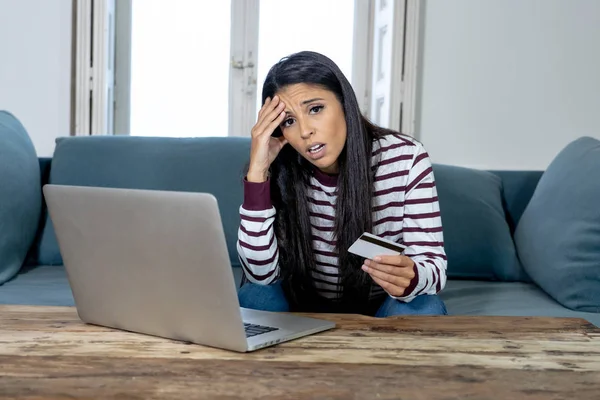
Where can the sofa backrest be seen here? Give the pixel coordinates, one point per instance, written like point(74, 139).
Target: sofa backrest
point(479, 208)
point(213, 165)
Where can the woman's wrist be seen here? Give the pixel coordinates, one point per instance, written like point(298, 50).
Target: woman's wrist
point(256, 176)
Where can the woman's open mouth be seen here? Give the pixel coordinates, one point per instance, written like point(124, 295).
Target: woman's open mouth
point(316, 151)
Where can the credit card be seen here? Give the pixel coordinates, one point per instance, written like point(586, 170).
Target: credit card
point(369, 246)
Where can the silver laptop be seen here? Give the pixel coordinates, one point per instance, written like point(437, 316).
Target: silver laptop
point(156, 262)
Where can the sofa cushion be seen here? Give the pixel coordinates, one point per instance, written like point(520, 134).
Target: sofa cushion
point(213, 165)
point(48, 285)
point(20, 195)
point(505, 299)
point(40, 286)
point(558, 236)
point(477, 237)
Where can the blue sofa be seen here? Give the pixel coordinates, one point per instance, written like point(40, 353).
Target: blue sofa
point(481, 211)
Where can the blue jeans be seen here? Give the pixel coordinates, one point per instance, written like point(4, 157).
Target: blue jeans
point(272, 298)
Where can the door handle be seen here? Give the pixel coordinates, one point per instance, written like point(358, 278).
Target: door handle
point(240, 64)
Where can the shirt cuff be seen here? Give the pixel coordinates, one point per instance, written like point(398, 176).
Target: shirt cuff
point(257, 196)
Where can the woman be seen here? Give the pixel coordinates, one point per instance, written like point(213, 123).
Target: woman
point(320, 175)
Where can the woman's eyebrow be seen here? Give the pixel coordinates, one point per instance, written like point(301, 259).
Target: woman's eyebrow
point(304, 103)
point(311, 100)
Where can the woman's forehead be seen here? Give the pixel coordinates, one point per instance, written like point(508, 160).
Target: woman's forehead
point(300, 92)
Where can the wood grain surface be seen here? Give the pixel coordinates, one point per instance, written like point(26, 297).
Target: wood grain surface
point(48, 353)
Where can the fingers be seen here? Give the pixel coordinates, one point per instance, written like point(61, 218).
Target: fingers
point(396, 280)
point(270, 103)
point(389, 287)
point(273, 114)
point(262, 109)
point(395, 270)
point(399, 260)
point(275, 123)
point(268, 114)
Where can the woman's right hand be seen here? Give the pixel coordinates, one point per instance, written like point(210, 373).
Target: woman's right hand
point(264, 147)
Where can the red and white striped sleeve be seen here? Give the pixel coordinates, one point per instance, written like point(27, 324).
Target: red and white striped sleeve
point(422, 229)
point(257, 244)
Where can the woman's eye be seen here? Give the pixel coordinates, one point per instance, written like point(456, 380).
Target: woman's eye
point(288, 122)
point(316, 109)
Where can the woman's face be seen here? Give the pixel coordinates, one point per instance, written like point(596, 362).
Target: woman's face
point(315, 125)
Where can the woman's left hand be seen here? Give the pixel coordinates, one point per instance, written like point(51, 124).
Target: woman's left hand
point(392, 273)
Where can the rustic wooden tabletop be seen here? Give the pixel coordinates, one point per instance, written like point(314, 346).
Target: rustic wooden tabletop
point(48, 353)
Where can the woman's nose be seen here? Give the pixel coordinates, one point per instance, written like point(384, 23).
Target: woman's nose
point(306, 131)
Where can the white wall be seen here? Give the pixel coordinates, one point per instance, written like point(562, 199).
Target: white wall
point(35, 67)
point(508, 83)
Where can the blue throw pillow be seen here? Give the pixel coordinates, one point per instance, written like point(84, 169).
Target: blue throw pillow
point(558, 236)
point(477, 237)
point(20, 195)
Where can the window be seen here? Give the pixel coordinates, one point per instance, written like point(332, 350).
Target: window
point(192, 68)
point(180, 73)
point(180, 68)
point(289, 26)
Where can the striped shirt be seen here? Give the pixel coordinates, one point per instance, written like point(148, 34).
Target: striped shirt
point(405, 209)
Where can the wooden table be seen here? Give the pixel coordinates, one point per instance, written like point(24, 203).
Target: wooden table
point(47, 353)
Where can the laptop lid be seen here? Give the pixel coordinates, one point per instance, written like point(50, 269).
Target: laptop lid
point(153, 262)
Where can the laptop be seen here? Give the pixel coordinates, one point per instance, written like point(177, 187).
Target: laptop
point(156, 263)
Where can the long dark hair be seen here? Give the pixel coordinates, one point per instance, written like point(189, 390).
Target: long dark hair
point(290, 174)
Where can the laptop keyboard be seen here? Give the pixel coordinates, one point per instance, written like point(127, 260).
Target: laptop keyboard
point(254, 330)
